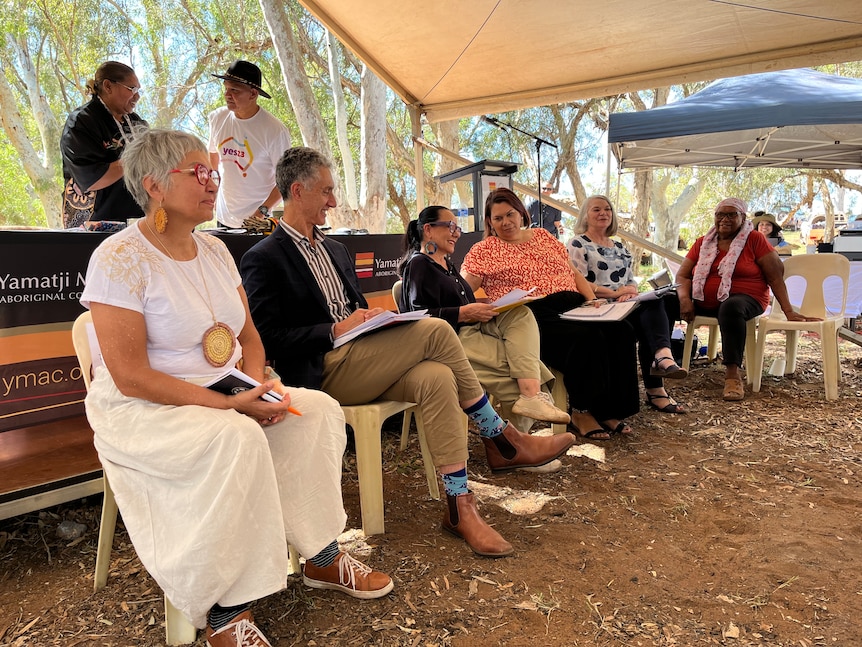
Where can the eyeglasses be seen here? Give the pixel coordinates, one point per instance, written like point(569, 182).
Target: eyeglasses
point(728, 215)
point(453, 228)
point(202, 173)
point(137, 91)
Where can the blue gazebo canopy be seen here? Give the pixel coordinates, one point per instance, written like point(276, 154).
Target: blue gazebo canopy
point(792, 118)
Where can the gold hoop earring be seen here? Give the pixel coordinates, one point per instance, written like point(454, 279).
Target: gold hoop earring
point(161, 219)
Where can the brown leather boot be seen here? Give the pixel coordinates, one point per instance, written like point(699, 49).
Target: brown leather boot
point(462, 519)
point(513, 449)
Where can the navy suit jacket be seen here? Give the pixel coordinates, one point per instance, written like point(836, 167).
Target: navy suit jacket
point(288, 307)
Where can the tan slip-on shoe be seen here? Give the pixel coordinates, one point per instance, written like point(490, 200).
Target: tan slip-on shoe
point(513, 449)
point(733, 390)
point(463, 520)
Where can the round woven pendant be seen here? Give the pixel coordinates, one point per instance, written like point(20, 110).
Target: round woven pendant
point(218, 344)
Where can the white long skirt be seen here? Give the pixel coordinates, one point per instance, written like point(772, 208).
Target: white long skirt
point(210, 498)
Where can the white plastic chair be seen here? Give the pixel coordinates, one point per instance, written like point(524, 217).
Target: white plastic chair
point(366, 420)
point(712, 345)
point(396, 294)
point(561, 400)
point(815, 269)
point(178, 630)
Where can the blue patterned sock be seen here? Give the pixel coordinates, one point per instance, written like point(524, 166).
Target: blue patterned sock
point(456, 482)
point(483, 414)
point(325, 557)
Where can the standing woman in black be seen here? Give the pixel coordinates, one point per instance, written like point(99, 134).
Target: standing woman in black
point(92, 142)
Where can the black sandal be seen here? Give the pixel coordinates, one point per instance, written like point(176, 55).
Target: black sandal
point(672, 372)
point(622, 427)
point(592, 434)
point(670, 407)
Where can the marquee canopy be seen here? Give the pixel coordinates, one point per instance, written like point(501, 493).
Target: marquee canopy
point(788, 119)
point(450, 58)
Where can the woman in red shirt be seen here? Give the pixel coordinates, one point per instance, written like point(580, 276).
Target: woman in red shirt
point(727, 274)
point(597, 359)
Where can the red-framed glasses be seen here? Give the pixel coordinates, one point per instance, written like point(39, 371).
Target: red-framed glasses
point(202, 173)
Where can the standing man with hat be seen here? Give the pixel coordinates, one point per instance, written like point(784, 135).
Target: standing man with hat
point(245, 143)
point(550, 218)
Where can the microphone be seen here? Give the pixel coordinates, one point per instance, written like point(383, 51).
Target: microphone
point(493, 122)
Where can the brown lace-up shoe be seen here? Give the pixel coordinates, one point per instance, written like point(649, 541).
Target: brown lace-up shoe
point(462, 519)
point(513, 449)
point(349, 576)
point(241, 630)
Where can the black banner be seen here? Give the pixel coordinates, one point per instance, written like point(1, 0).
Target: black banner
point(42, 275)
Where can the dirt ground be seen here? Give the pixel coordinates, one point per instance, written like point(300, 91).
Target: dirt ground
point(736, 524)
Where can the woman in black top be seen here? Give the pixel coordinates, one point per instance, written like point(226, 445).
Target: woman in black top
point(503, 347)
point(93, 139)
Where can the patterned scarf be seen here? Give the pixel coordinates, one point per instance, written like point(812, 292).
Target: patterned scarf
point(708, 252)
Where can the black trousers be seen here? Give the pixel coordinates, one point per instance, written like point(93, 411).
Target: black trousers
point(652, 322)
point(732, 313)
point(597, 359)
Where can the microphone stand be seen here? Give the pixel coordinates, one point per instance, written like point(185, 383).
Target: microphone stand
point(539, 141)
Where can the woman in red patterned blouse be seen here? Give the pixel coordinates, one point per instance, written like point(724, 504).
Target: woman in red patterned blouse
point(598, 359)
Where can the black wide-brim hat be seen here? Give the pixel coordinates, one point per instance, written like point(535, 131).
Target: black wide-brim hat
point(245, 72)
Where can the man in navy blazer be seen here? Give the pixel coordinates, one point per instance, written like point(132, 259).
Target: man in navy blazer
point(303, 293)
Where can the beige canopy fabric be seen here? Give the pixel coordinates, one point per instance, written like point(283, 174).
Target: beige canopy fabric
point(451, 58)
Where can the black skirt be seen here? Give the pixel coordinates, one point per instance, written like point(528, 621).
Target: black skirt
point(598, 359)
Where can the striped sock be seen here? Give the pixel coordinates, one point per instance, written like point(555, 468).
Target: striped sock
point(220, 616)
point(325, 557)
point(483, 414)
point(455, 483)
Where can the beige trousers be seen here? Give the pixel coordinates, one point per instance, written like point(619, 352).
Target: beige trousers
point(421, 362)
point(503, 350)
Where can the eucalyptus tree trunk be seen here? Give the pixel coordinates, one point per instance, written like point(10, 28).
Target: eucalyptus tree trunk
point(447, 135)
point(350, 193)
point(668, 217)
point(373, 152)
point(829, 208)
point(641, 203)
point(39, 167)
point(295, 81)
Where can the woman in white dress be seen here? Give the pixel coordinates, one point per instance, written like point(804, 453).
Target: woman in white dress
point(211, 487)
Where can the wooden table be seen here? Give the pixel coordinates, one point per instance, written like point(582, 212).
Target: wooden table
point(47, 464)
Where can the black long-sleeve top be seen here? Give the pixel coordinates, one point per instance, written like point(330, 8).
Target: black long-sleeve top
point(90, 142)
point(426, 284)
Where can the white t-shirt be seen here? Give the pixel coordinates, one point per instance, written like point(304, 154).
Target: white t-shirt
point(248, 150)
point(128, 272)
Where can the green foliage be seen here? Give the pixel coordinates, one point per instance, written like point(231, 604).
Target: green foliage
point(175, 46)
point(19, 205)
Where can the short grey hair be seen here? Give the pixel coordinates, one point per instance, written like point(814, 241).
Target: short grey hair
point(153, 153)
point(581, 223)
point(299, 164)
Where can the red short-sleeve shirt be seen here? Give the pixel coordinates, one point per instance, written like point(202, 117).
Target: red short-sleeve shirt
point(747, 277)
point(541, 262)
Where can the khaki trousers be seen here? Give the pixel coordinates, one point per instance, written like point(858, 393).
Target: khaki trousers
point(503, 350)
point(421, 362)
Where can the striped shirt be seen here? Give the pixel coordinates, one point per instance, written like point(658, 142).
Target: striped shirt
point(323, 269)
